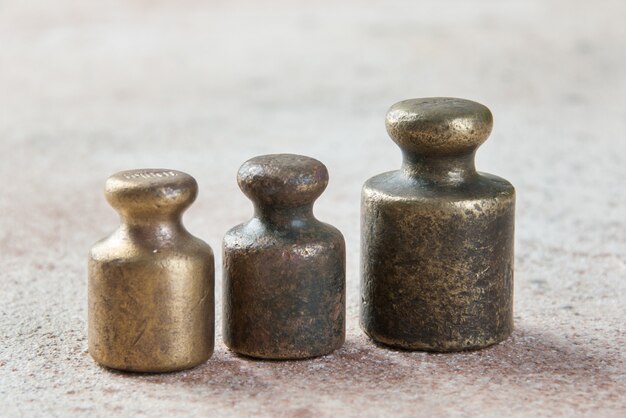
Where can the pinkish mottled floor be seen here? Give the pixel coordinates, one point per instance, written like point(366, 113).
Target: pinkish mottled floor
point(89, 88)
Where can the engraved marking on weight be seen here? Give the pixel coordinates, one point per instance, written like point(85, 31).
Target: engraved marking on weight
point(150, 174)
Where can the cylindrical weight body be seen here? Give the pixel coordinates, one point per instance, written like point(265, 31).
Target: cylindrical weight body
point(151, 313)
point(437, 268)
point(284, 294)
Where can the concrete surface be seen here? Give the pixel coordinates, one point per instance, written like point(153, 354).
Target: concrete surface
point(89, 88)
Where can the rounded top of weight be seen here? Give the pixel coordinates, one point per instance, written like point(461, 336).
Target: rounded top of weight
point(282, 180)
point(439, 125)
point(151, 191)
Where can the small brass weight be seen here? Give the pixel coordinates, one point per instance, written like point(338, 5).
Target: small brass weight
point(151, 302)
point(436, 235)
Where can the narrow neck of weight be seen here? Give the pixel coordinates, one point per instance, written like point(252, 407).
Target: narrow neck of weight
point(284, 217)
point(445, 169)
point(152, 229)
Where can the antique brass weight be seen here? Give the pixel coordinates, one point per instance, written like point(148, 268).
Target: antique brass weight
point(437, 236)
point(151, 303)
point(284, 271)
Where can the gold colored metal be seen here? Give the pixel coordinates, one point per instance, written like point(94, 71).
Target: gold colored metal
point(151, 283)
point(437, 236)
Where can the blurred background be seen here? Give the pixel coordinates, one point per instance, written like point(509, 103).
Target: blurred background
point(91, 88)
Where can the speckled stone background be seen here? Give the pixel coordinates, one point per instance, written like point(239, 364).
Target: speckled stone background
point(89, 88)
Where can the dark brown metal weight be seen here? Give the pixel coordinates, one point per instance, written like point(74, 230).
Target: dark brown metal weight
point(437, 236)
point(284, 271)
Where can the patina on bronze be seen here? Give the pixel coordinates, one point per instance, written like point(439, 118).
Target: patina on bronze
point(151, 302)
point(437, 236)
point(284, 271)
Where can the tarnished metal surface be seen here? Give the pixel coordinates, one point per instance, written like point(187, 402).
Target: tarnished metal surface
point(437, 236)
point(151, 283)
point(284, 271)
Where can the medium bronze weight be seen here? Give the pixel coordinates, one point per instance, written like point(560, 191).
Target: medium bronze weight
point(284, 270)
